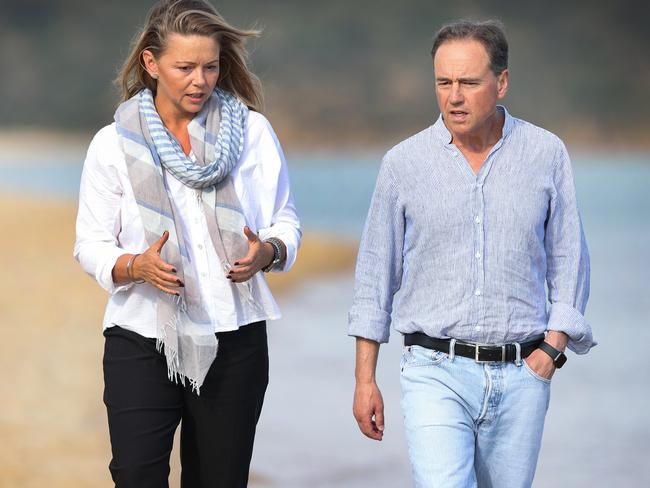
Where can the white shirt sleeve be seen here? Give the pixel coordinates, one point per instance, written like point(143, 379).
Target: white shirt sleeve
point(98, 221)
point(276, 192)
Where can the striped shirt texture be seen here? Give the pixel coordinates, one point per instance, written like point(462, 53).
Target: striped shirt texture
point(493, 258)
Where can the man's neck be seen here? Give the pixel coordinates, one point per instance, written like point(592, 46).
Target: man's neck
point(483, 140)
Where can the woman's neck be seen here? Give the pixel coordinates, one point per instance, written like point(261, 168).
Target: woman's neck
point(176, 122)
point(171, 116)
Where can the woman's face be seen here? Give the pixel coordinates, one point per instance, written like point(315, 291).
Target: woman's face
point(187, 72)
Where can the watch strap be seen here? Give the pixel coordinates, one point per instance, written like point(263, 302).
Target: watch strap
point(559, 358)
point(277, 253)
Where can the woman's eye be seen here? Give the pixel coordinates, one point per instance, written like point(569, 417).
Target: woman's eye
point(212, 67)
point(185, 68)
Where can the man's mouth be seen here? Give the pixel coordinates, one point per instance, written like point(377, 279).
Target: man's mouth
point(457, 115)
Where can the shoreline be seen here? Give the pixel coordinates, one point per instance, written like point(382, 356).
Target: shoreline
point(14, 142)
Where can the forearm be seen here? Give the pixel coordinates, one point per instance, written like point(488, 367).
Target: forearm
point(366, 360)
point(557, 339)
point(269, 251)
point(289, 234)
point(120, 273)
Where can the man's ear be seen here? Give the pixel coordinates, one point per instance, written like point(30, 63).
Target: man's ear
point(502, 84)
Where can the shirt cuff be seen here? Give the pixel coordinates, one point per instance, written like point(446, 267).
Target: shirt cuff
point(104, 273)
point(291, 239)
point(565, 318)
point(375, 328)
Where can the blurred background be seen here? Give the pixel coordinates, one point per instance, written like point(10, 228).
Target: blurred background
point(344, 82)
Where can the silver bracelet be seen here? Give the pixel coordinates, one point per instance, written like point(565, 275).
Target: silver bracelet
point(129, 269)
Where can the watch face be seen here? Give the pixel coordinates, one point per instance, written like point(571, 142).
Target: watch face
point(561, 359)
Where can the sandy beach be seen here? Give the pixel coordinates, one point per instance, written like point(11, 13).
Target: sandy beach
point(53, 423)
point(52, 419)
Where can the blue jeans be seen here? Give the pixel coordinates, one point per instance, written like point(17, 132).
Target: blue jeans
point(471, 424)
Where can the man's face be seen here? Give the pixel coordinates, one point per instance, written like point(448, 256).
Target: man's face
point(466, 88)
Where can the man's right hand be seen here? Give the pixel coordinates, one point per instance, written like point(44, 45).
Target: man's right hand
point(368, 409)
point(150, 267)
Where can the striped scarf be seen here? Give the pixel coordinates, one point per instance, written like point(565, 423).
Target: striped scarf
point(184, 329)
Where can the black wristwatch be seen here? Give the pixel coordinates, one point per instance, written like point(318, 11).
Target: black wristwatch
point(559, 358)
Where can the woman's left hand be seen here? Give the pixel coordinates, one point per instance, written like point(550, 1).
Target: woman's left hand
point(260, 255)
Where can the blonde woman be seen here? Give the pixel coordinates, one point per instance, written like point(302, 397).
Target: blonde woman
point(184, 203)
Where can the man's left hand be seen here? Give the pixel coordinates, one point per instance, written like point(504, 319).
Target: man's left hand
point(541, 364)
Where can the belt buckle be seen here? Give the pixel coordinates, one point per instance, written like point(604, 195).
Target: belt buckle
point(477, 353)
point(477, 348)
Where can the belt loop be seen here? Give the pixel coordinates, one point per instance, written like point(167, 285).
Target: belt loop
point(518, 354)
point(452, 349)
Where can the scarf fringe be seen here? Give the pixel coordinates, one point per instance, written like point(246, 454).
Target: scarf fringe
point(171, 355)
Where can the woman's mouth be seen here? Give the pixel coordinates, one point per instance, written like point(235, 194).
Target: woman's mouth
point(196, 97)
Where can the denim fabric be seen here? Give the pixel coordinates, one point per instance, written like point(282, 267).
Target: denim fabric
point(471, 424)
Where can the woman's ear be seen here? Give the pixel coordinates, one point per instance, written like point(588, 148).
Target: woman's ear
point(150, 64)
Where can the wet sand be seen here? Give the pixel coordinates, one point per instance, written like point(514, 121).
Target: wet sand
point(52, 420)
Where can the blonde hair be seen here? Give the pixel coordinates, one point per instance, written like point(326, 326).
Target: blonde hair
point(192, 17)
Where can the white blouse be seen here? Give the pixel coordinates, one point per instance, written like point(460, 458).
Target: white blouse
point(109, 225)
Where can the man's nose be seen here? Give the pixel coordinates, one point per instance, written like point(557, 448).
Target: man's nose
point(456, 96)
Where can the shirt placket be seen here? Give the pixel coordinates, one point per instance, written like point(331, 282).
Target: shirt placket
point(202, 262)
point(478, 276)
point(477, 199)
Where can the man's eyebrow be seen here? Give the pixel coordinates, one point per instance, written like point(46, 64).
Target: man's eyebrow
point(461, 80)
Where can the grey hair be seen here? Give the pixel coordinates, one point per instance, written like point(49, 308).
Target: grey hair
point(489, 33)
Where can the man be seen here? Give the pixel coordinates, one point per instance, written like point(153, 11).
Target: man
point(470, 219)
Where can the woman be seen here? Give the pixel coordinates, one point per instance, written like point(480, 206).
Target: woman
point(184, 200)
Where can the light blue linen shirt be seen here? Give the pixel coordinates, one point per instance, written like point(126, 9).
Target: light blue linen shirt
point(493, 258)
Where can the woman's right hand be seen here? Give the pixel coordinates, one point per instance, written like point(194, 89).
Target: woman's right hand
point(149, 267)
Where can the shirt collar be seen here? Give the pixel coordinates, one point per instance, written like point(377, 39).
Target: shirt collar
point(444, 136)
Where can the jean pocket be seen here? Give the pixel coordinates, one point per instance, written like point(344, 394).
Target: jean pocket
point(418, 356)
point(535, 375)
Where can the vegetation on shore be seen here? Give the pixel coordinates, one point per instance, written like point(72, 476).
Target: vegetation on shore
point(347, 73)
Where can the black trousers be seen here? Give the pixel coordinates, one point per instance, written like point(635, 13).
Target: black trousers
point(217, 427)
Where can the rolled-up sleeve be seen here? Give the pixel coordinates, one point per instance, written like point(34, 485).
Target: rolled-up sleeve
point(98, 219)
point(567, 261)
point(276, 192)
point(379, 263)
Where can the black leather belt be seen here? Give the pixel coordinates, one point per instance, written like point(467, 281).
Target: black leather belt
point(479, 352)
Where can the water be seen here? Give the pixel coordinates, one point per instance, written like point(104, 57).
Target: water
point(332, 191)
point(597, 426)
